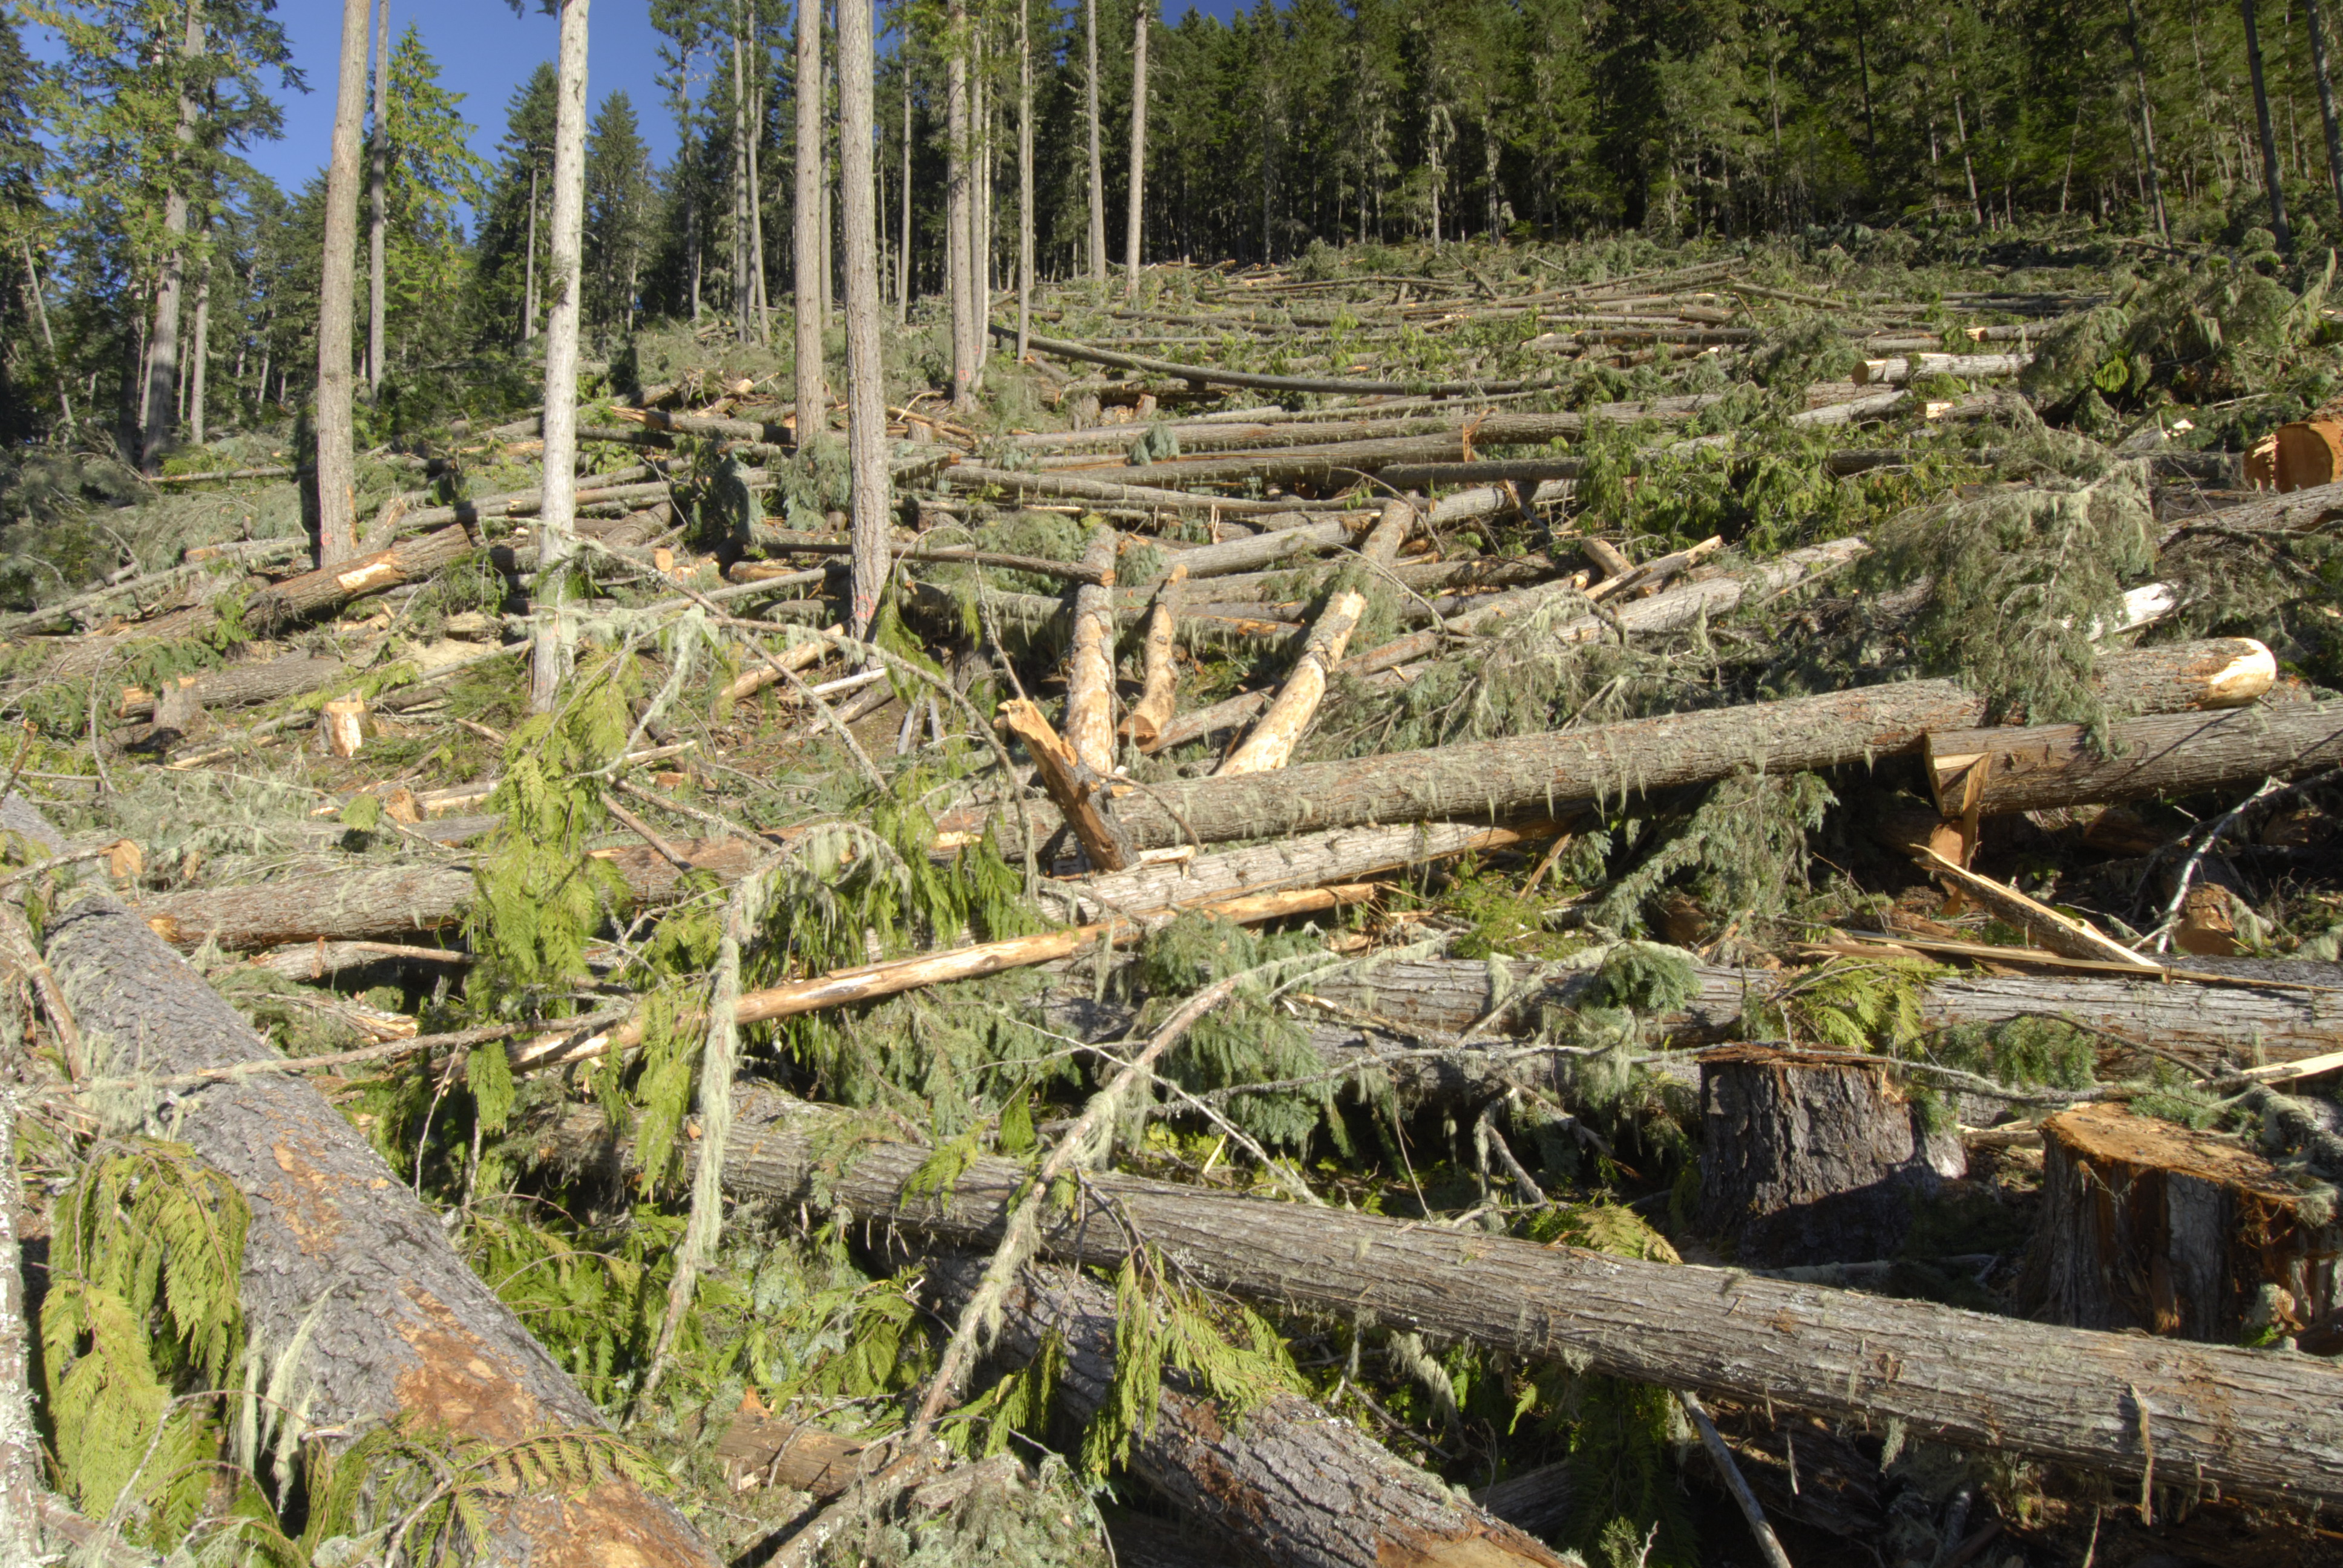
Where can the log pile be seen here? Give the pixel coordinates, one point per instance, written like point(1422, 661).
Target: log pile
point(1249, 981)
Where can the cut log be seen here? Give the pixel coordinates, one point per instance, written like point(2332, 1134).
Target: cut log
point(2150, 1226)
point(1089, 675)
point(976, 477)
point(1079, 790)
point(1806, 1161)
point(2246, 1420)
point(2301, 456)
point(1547, 774)
point(241, 684)
point(1160, 695)
point(1994, 771)
point(1213, 376)
point(350, 1288)
point(328, 588)
point(1272, 544)
point(1973, 367)
point(762, 674)
point(1287, 1484)
point(1273, 740)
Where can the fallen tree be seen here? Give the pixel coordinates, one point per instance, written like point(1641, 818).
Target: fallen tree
point(1994, 771)
point(1558, 772)
point(350, 1289)
point(2248, 1420)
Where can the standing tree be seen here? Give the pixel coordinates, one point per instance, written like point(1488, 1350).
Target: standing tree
point(811, 244)
point(617, 199)
point(1144, 13)
point(378, 177)
point(959, 208)
point(557, 513)
point(2326, 100)
point(337, 529)
point(1097, 168)
point(866, 394)
point(1024, 174)
point(903, 269)
point(163, 349)
point(2270, 136)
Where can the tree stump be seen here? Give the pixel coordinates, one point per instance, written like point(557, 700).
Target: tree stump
point(1811, 1160)
point(2147, 1224)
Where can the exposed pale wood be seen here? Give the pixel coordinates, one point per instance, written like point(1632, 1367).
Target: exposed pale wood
point(1090, 672)
point(1975, 367)
point(2060, 933)
point(1992, 772)
point(1153, 709)
point(1079, 789)
point(1273, 740)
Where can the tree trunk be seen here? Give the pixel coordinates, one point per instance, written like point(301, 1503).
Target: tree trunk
point(744, 286)
point(958, 208)
point(199, 366)
point(163, 346)
point(756, 269)
point(1804, 1160)
point(1491, 779)
point(1077, 790)
point(246, 683)
point(379, 180)
point(20, 1441)
point(558, 511)
point(2268, 135)
point(1024, 175)
point(1139, 29)
point(2326, 98)
point(2147, 121)
point(341, 1258)
point(2246, 1420)
point(1213, 376)
point(1160, 695)
point(1993, 772)
point(48, 342)
point(528, 266)
point(337, 536)
point(1097, 167)
point(1272, 740)
point(1089, 681)
point(1289, 1484)
point(903, 271)
point(866, 393)
point(2147, 1225)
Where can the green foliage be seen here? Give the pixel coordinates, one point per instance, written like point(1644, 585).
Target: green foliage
point(1740, 854)
point(2021, 578)
point(1246, 1039)
point(2023, 1050)
point(1861, 1005)
point(1214, 1350)
point(143, 1309)
point(2203, 333)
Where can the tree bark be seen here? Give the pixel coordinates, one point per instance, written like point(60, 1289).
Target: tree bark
point(379, 180)
point(163, 344)
point(866, 415)
point(1025, 175)
point(20, 1440)
point(1161, 694)
point(1139, 29)
point(558, 511)
point(1550, 773)
point(246, 683)
point(200, 355)
point(341, 1257)
point(1090, 676)
point(528, 266)
point(2149, 1225)
point(807, 238)
point(2253, 1422)
point(2327, 116)
point(1287, 1484)
point(1215, 376)
point(1995, 771)
point(1097, 168)
point(2147, 124)
point(958, 265)
point(744, 284)
point(338, 536)
point(2268, 135)
point(1805, 1160)
point(903, 271)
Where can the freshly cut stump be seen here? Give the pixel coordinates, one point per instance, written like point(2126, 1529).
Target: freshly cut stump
point(2147, 1224)
point(1810, 1161)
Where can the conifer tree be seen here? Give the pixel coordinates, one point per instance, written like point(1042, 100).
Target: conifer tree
point(336, 456)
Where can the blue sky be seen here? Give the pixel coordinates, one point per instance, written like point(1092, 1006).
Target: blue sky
point(484, 51)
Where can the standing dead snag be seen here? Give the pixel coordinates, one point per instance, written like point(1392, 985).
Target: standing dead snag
point(342, 1261)
point(1285, 1483)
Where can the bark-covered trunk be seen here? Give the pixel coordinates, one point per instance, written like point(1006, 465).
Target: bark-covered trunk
point(558, 510)
point(1097, 189)
point(379, 183)
point(1547, 773)
point(810, 248)
point(338, 536)
point(2270, 181)
point(2147, 1224)
point(903, 268)
point(1286, 1484)
point(1994, 771)
point(163, 344)
point(959, 208)
point(1804, 1160)
point(245, 683)
point(341, 1258)
point(2248, 1420)
point(1143, 14)
point(866, 394)
point(1024, 174)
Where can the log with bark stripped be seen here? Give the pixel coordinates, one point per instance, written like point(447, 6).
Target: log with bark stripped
point(1090, 672)
point(1161, 694)
point(347, 1276)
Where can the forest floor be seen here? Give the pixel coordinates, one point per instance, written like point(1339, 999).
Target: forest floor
point(1676, 775)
